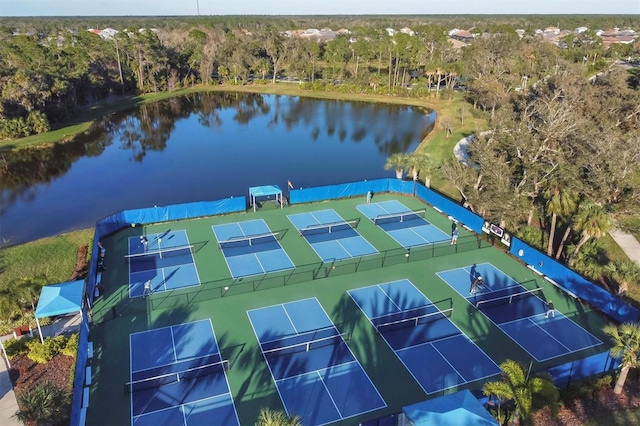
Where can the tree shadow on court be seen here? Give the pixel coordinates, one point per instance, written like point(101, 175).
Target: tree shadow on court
point(393, 381)
point(257, 389)
point(110, 401)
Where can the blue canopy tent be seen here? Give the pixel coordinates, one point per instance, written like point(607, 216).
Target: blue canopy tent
point(58, 299)
point(264, 191)
point(460, 408)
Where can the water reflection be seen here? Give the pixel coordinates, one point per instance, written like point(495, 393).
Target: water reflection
point(203, 146)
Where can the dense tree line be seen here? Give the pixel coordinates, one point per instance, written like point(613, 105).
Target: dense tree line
point(50, 68)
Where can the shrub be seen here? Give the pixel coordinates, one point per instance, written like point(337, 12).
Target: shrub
point(16, 347)
point(585, 389)
point(45, 404)
point(71, 348)
point(42, 353)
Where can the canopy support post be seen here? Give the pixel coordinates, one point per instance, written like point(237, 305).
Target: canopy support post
point(39, 331)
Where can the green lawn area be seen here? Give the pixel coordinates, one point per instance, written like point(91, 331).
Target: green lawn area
point(51, 260)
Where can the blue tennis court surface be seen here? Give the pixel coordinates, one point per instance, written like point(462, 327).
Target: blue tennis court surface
point(167, 262)
point(520, 312)
point(177, 377)
point(250, 248)
point(330, 235)
point(432, 347)
point(317, 375)
point(408, 228)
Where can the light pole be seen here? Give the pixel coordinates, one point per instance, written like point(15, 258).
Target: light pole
point(198, 6)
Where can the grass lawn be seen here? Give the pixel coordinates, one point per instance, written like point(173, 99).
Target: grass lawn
point(53, 259)
point(631, 224)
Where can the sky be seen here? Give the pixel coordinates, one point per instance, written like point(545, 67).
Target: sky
point(312, 7)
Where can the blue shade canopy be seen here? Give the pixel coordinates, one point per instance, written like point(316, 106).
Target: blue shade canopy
point(58, 299)
point(264, 191)
point(460, 408)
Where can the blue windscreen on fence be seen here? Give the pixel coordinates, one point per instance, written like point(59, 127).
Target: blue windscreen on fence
point(81, 363)
point(455, 210)
point(332, 192)
point(600, 298)
point(583, 368)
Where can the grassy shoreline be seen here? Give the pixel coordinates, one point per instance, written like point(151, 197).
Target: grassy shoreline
point(87, 116)
point(51, 259)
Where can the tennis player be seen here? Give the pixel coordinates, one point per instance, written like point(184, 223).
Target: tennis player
point(477, 282)
point(551, 310)
point(147, 288)
point(144, 241)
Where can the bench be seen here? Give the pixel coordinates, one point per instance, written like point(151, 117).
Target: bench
point(87, 376)
point(535, 270)
point(85, 397)
point(23, 330)
point(83, 417)
point(89, 349)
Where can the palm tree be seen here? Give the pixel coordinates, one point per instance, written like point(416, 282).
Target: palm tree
point(592, 220)
point(590, 262)
point(398, 162)
point(532, 235)
point(528, 394)
point(559, 203)
point(418, 162)
point(270, 417)
point(30, 288)
point(43, 405)
point(624, 272)
point(10, 301)
point(421, 163)
point(626, 346)
point(413, 162)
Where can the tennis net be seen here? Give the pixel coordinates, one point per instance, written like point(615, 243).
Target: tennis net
point(152, 255)
point(508, 299)
point(170, 378)
point(399, 217)
point(307, 345)
point(250, 240)
point(395, 322)
point(325, 228)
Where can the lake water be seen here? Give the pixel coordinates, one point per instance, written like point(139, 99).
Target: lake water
point(199, 147)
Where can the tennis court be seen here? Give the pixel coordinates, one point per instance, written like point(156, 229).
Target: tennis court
point(332, 237)
point(251, 248)
point(520, 312)
point(316, 374)
point(167, 262)
point(179, 378)
point(429, 344)
point(408, 227)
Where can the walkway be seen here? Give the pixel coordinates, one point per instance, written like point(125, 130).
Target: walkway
point(8, 402)
point(627, 242)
